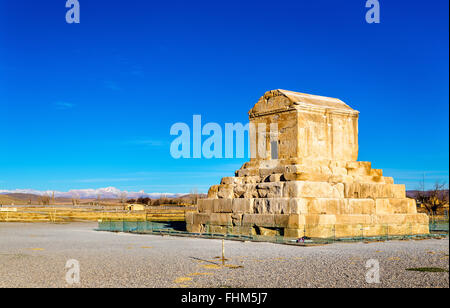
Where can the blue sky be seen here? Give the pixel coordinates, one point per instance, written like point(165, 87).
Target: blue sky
point(90, 105)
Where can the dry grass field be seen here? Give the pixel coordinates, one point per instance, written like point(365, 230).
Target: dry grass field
point(10, 200)
point(69, 213)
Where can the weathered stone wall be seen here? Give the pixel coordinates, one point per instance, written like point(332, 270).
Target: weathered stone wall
point(327, 135)
point(287, 134)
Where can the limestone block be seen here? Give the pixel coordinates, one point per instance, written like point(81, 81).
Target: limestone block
point(305, 176)
point(205, 205)
point(278, 169)
point(264, 173)
point(216, 229)
point(376, 172)
point(195, 228)
point(293, 168)
point(419, 218)
point(227, 180)
point(376, 179)
point(298, 206)
point(325, 206)
point(267, 232)
point(340, 179)
point(242, 205)
point(293, 233)
point(420, 228)
point(320, 231)
point(338, 190)
point(388, 180)
point(359, 230)
point(251, 180)
point(312, 219)
point(403, 206)
point(336, 164)
point(236, 219)
point(358, 167)
point(359, 171)
point(248, 172)
point(277, 205)
point(212, 192)
point(223, 205)
point(275, 190)
point(307, 189)
point(360, 206)
point(275, 177)
point(383, 206)
point(270, 190)
point(398, 219)
point(189, 217)
point(347, 231)
point(271, 206)
point(263, 220)
point(399, 229)
point(291, 176)
point(239, 190)
point(242, 173)
point(364, 190)
point(399, 190)
point(250, 191)
point(220, 219)
point(373, 230)
point(260, 206)
point(368, 179)
point(201, 218)
point(339, 171)
point(244, 230)
point(314, 167)
point(296, 221)
point(281, 220)
point(396, 206)
point(225, 191)
point(353, 219)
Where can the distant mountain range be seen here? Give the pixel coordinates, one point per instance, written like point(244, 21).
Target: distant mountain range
point(413, 193)
point(104, 193)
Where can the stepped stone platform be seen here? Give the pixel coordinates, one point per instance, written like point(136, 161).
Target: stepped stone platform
point(304, 178)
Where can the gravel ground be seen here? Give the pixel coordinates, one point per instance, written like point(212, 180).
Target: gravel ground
point(35, 255)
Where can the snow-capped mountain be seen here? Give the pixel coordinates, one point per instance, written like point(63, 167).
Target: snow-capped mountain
point(107, 192)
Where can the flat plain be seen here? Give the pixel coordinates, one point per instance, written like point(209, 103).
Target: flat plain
point(35, 255)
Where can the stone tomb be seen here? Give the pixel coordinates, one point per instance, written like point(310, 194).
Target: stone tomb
point(307, 181)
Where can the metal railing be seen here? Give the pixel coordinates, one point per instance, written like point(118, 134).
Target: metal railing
point(438, 229)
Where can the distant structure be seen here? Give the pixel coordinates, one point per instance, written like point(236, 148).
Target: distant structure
point(305, 179)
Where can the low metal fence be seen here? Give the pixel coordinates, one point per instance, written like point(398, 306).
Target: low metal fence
point(438, 229)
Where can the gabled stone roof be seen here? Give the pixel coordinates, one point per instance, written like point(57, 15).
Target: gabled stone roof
point(284, 99)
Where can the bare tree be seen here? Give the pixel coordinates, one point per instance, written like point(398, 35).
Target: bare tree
point(162, 199)
point(194, 196)
point(433, 199)
point(123, 197)
point(44, 199)
point(75, 199)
